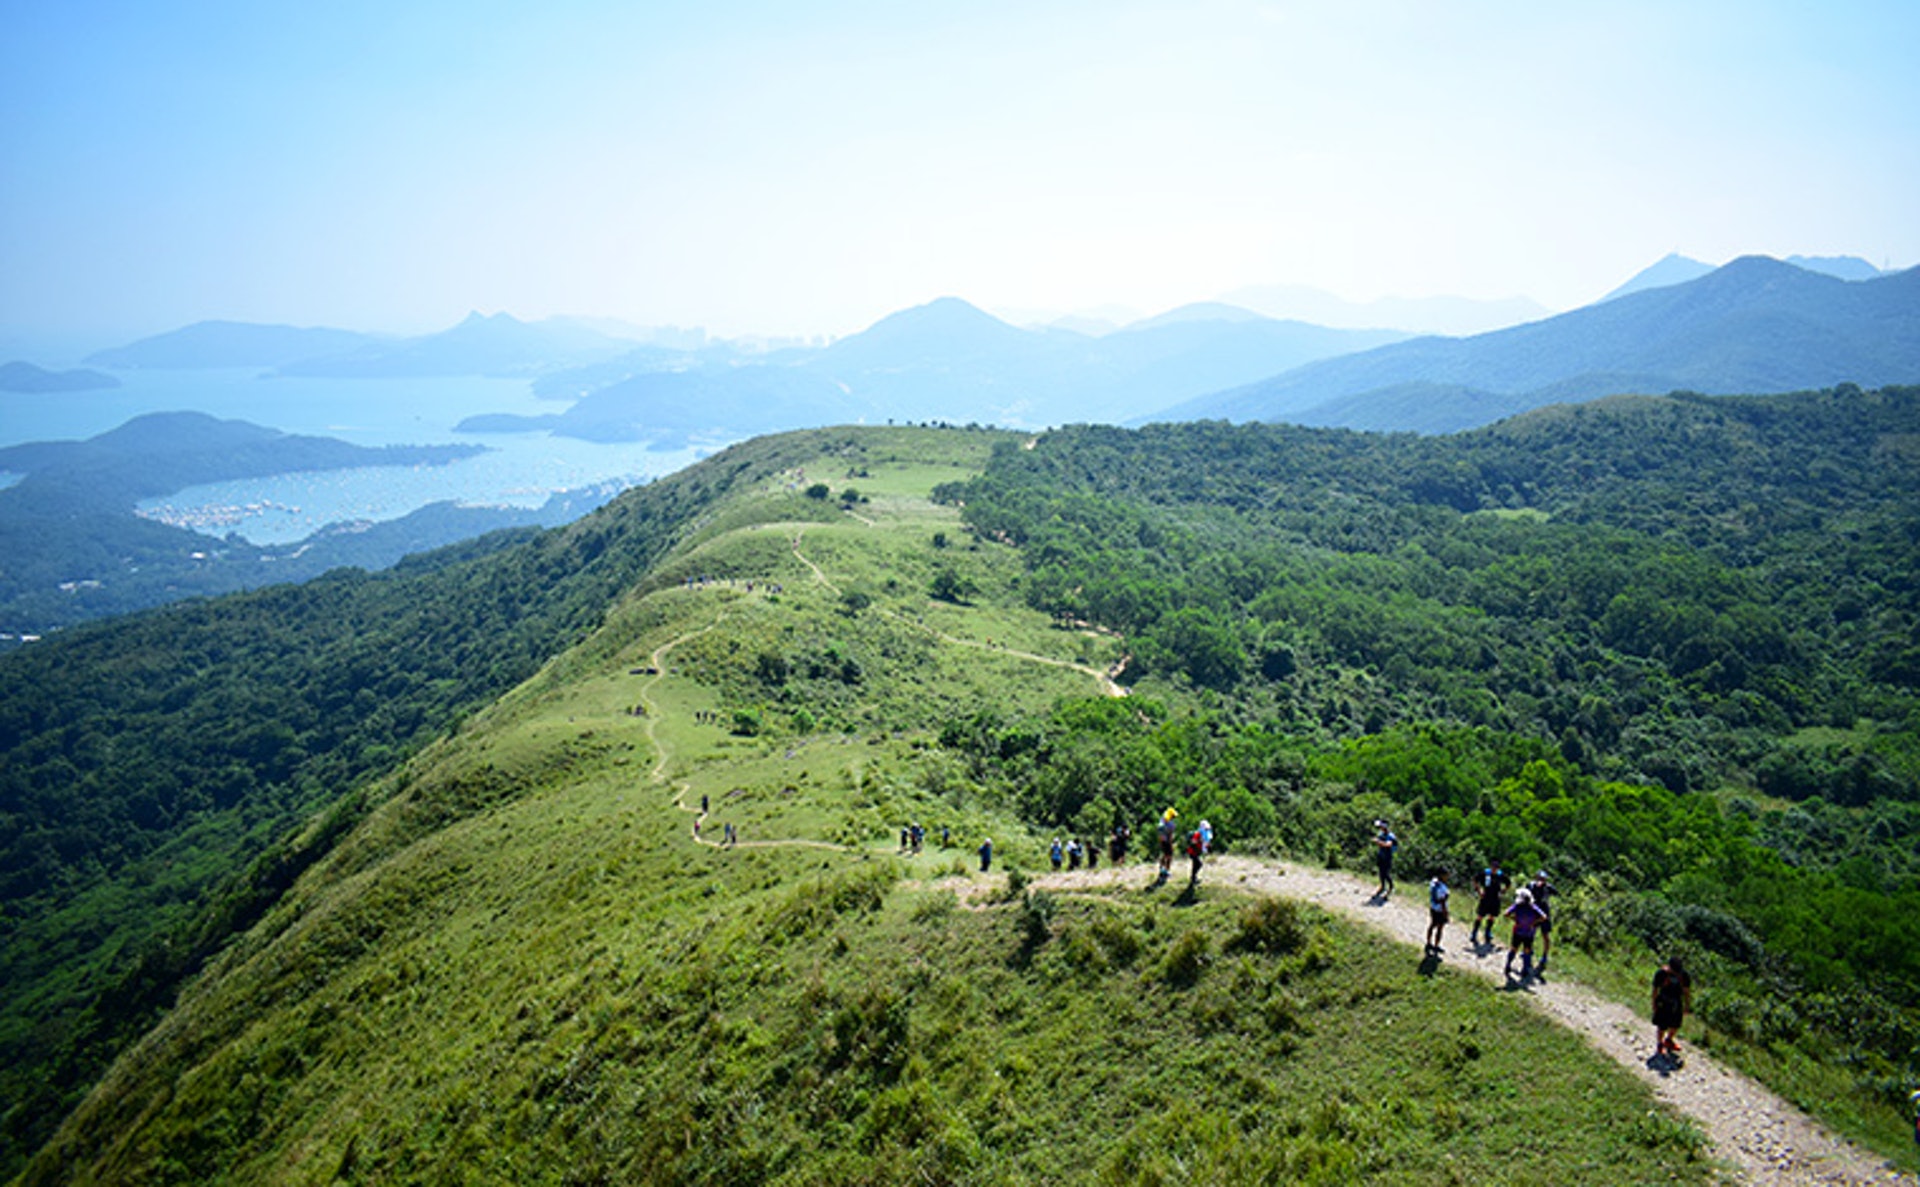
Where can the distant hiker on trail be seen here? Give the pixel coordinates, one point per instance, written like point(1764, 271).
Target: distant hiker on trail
point(1056, 854)
point(1543, 892)
point(946, 837)
point(1073, 853)
point(1093, 855)
point(1672, 999)
point(1526, 920)
point(1117, 843)
point(1491, 883)
point(906, 838)
point(986, 855)
point(732, 836)
point(703, 803)
point(1168, 832)
point(1384, 843)
point(919, 837)
point(1196, 853)
point(1437, 895)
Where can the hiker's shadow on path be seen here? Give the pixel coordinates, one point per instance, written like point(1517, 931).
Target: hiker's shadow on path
point(1376, 899)
point(1430, 964)
point(1663, 1065)
point(1188, 896)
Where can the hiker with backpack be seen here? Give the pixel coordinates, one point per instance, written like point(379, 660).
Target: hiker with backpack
point(1437, 895)
point(1197, 851)
point(1491, 883)
point(1543, 892)
point(1672, 999)
point(1384, 843)
point(1169, 831)
point(986, 855)
point(1526, 921)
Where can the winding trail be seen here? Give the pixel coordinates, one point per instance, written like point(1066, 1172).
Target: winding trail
point(1108, 684)
point(1766, 1140)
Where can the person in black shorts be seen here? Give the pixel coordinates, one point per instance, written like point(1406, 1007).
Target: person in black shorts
point(1672, 997)
point(1491, 883)
point(1543, 892)
point(1437, 895)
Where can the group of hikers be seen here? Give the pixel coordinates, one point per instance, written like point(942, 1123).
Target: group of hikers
point(1072, 852)
point(1531, 913)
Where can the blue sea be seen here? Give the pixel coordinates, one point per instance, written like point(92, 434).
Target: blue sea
point(520, 469)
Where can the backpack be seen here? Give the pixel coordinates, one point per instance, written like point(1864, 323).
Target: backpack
point(1196, 844)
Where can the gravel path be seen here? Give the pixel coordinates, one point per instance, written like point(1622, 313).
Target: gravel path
point(1767, 1141)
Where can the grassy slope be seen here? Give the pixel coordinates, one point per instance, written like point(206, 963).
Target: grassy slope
point(522, 968)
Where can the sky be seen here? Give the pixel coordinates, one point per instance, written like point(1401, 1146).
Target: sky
point(804, 169)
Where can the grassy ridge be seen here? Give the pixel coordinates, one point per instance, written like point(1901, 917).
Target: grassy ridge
point(521, 966)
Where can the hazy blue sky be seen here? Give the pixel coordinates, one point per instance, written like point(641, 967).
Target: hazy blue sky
point(782, 168)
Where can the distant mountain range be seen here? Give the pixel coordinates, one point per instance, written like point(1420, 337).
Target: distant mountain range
point(24, 377)
point(1674, 268)
point(1410, 315)
point(1756, 325)
point(210, 345)
point(946, 360)
point(481, 345)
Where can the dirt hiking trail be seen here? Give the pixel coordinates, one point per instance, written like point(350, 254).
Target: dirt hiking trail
point(1764, 1139)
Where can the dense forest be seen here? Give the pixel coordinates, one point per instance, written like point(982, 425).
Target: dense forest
point(152, 767)
point(1665, 646)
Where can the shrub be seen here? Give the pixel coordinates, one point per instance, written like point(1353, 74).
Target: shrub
point(1187, 959)
point(1270, 925)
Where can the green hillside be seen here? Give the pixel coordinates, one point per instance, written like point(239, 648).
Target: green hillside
point(1661, 645)
point(520, 966)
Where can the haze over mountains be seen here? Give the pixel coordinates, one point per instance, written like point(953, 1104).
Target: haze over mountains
point(1756, 325)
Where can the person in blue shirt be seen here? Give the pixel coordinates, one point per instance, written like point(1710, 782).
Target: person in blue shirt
point(1437, 895)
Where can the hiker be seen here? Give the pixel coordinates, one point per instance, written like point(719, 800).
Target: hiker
point(1526, 920)
point(1117, 843)
point(1056, 853)
point(703, 803)
point(731, 835)
point(986, 855)
point(1384, 843)
point(1543, 892)
point(946, 837)
point(906, 838)
point(919, 838)
point(1672, 999)
point(1093, 855)
point(1438, 892)
point(1491, 883)
point(1073, 853)
point(1196, 851)
point(1168, 830)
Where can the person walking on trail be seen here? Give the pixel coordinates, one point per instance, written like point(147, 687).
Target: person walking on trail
point(1196, 853)
point(1543, 892)
point(1118, 842)
point(1073, 853)
point(986, 855)
point(1672, 1000)
point(1169, 831)
point(1384, 843)
point(1526, 921)
point(1438, 892)
point(1055, 854)
point(703, 803)
point(1092, 849)
point(1491, 884)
